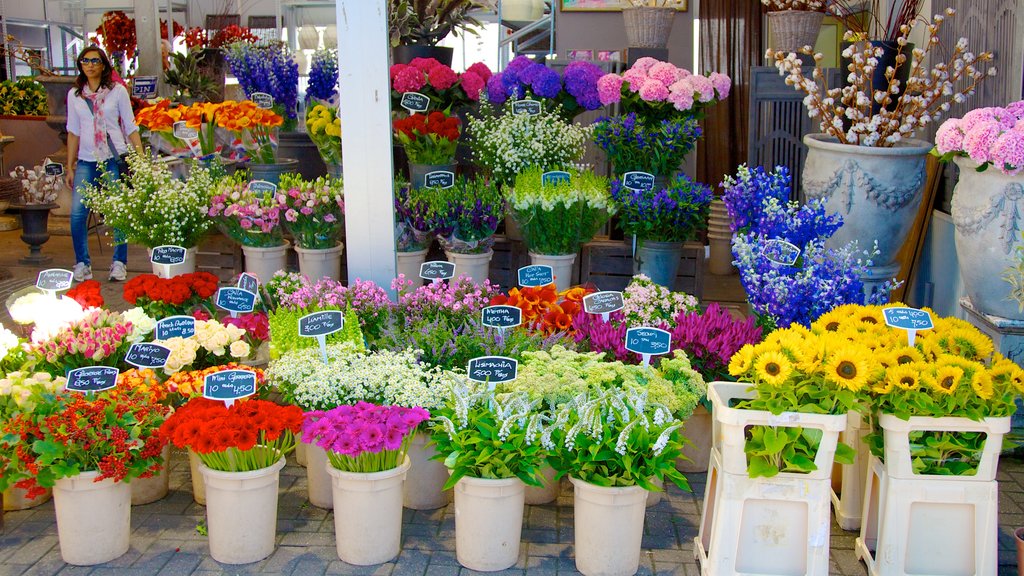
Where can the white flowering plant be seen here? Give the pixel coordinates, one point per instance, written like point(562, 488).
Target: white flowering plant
point(803, 5)
point(507, 144)
point(213, 344)
point(19, 391)
point(142, 324)
point(616, 437)
point(864, 114)
point(148, 206)
point(556, 218)
point(479, 434)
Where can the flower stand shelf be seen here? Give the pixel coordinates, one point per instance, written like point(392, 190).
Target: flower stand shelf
point(931, 524)
point(848, 501)
point(776, 525)
point(609, 265)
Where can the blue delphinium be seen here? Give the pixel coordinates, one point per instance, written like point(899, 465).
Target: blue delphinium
point(267, 68)
point(745, 194)
point(323, 76)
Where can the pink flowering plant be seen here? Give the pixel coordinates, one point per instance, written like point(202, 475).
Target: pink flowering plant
point(366, 304)
point(988, 136)
point(246, 217)
point(460, 298)
point(445, 88)
point(363, 437)
point(313, 210)
point(658, 90)
point(101, 337)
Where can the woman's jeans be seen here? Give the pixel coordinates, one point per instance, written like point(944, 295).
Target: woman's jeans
point(89, 173)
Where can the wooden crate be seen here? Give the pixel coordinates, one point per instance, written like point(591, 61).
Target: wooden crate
point(608, 264)
point(219, 256)
point(509, 257)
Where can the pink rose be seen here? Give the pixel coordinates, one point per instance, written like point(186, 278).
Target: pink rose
point(978, 140)
point(665, 73)
point(949, 137)
point(442, 77)
point(609, 89)
point(654, 91)
point(1008, 152)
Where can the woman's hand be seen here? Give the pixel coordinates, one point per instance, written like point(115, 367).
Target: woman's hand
point(69, 177)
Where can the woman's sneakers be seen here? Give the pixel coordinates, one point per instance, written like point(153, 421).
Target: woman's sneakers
point(83, 271)
point(118, 273)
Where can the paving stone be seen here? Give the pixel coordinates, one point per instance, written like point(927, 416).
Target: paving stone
point(339, 567)
point(33, 550)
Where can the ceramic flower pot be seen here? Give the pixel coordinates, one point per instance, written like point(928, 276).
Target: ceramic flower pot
point(476, 266)
point(147, 490)
point(561, 266)
point(198, 485)
point(986, 210)
point(609, 525)
point(317, 263)
point(424, 483)
point(263, 262)
point(409, 263)
point(488, 522)
point(172, 270)
point(93, 518)
point(368, 514)
point(241, 513)
point(547, 493)
point(659, 261)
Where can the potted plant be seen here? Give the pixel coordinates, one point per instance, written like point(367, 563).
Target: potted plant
point(367, 474)
point(990, 167)
point(213, 344)
point(313, 214)
point(211, 52)
point(492, 447)
point(557, 217)
point(571, 92)
point(268, 68)
point(867, 128)
point(145, 384)
point(177, 296)
point(612, 444)
point(253, 219)
point(18, 390)
point(241, 448)
point(657, 149)
point(187, 77)
point(416, 26)
point(658, 90)
point(544, 309)
point(152, 208)
point(323, 124)
point(414, 229)
point(254, 133)
point(429, 141)
point(467, 216)
point(39, 194)
point(794, 23)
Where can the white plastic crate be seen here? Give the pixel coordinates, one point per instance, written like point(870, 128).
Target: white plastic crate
point(729, 424)
point(897, 444)
point(928, 525)
point(849, 478)
point(778, 526)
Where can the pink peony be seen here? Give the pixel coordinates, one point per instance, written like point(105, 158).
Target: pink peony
point(1007, 153)
point(609, 89)
point(722, 84)
point(654, 91)
point(644, 64)
point(703, 87)
point(472, 84)
point(949, 137)
point(424, 64)
point(442, 77)
point(665, 73)
point(978, 140)
point(408, 79)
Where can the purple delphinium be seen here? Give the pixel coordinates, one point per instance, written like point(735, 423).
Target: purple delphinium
point(745, 194)
point(323, 76)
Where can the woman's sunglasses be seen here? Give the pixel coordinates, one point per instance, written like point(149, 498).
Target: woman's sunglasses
point(91, 61)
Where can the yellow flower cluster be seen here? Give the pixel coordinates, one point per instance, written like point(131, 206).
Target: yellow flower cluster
point(324, 127)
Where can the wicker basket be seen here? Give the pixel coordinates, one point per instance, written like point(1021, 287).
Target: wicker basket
point(648, 27)
point(791, 30)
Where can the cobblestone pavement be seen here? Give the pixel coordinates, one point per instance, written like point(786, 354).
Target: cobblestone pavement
point(165, 541)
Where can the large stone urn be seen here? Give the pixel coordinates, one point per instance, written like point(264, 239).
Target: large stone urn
point(988, 213)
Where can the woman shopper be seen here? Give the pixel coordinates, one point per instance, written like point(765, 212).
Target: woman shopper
point(101, 125)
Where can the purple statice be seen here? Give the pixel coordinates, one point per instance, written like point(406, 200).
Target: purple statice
point(267, 68)
point(671, 214)
point(323, 76)
point(711, 337)
point(746, 192)
point(658, 149)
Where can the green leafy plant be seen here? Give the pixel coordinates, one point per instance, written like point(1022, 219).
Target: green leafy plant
point(186, 75)
point(556, 218)
point(427, 22)
point(483, 435)
point(774, 449)
point(24, 97)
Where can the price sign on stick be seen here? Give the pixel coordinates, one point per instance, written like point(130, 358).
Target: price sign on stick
point(319, 325)
point(262, 100)
point(147, 355)
point(501, 317)
point(536, 275)
point(229, 385)
point(909, 319)
point(415, 102)
point(175, 327)
point(437, 270)
point(92, 379)
point(492, 370)
point(648, 342)
point(526, 107)
point(249, 283)
point(781, 252)
point(603, 303)
point(53, 169)
point(54, 280)
point(167, 256)
point(641, 181)
point(235, 300)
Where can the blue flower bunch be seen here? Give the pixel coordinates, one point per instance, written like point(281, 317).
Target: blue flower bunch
point(672, 214)
point(267, 68)
point(323, 76)
point(658, 149)
point(575, 90)
point(745, 194)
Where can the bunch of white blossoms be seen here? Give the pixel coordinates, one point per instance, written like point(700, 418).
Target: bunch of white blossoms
point(848, 113)
point(509, 144)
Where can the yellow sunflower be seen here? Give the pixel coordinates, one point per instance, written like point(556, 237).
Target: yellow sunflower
point(946, 379)
point(833, 320)
point(981, 382)
point(848, 367)
point(968, 342)
point(907, 355)
point(772, 367)
point(742, 360)
point(905, 377)
point(869, 315)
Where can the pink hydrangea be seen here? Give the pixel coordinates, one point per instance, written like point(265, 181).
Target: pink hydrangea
point(976, 116)
point(472, 84)
point(425, 64)
point(722, 84)
point(634, 79)
point(665, 73)
point(609, 89)
point(1007, 153)
point(978, 140)
point(481, 70)
point(644, 64)
point(653, 90)
point(703, 87)
point(949, 137)
point(442, 77)
point(408, 79)
point(682, 100)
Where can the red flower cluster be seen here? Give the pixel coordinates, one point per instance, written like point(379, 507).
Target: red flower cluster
point(439, 82)
point(256, 326)
point(421, 125)
point(177, 28)
point(118, 32)
point(206, 426)
point(87, 294)
point(196, 38)
point(161, 297)
point(231, 34)
point(543, 308)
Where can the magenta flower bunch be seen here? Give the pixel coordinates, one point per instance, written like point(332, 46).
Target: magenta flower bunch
point(460, 298)
point(710, 338)
point(249, 218)
point(988, 136)
point(363, 437)
point(313, 210)
point(100, 337)
point(658, 90)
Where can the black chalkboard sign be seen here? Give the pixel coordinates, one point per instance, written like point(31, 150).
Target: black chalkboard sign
point(248, 282)
point(536, 275)
point(53, 169)
point(168, 255)
point(554, 178)
point(321, 323)
point(648, 340)
point(415, 102)
point(262, 188)
point(229, 385)
point(437, 270)
point(54, 279)
point(642, 181)
point(501, 316)
point(92, 379)
point(526, 107)
point(492, 369)
point(262, 100)
point(439, 179)
point(235, 300)
point(603, 302)
point(175, 327)
point(147, 355)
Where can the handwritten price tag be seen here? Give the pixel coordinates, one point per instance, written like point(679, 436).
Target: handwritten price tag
point(54, 280)
point(501, 316)
point(175, 327)
point(648, 342)
point(536, 275)
point(146, 355)
point(262, 100)
point(319, 325)
point(603, 303)
point(554, 178)
point(909, 319)
point(437, 270)
point(415, 102)
point(92, 379)
point(442, 179)
point(492, 370)
point(229, 385)
point(641, 181)
point(526, 107)
point(235, 300)
point(249, 283)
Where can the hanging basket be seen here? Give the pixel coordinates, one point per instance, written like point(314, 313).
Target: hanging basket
point(791, 30)
point(648, 27)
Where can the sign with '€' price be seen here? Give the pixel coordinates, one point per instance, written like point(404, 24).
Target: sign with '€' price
point(169, 255)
